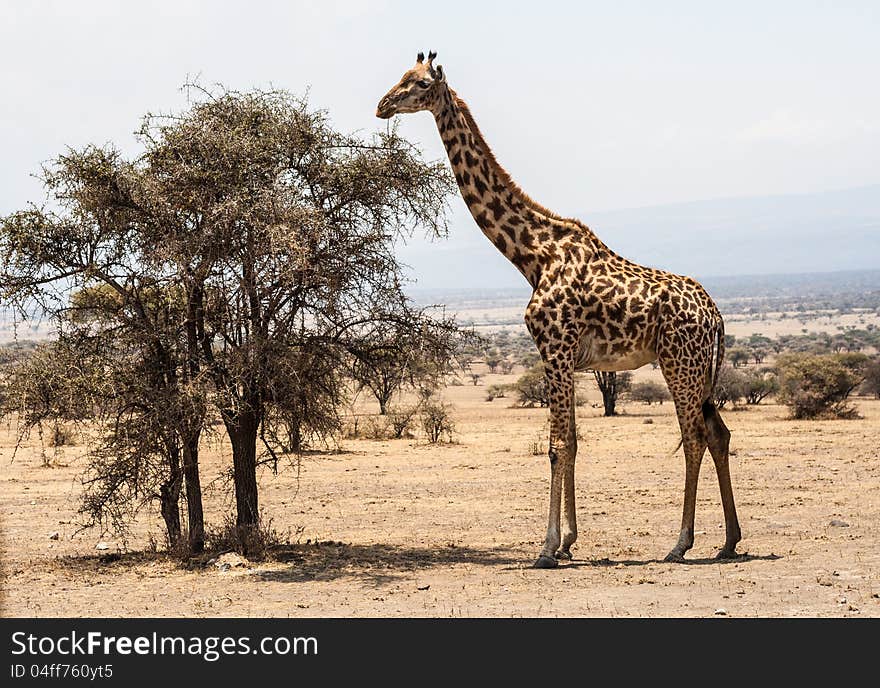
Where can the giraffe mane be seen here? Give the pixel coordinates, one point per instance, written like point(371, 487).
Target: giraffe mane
point(503, 174)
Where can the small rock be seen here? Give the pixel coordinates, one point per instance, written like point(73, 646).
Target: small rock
point(423, 587)
point(837, 523)
point(648, 421)
point(721, 611)
point(230, 560)
point(102, 546)
point(824, 580)
point(33, 502)
point(853, 608)
point(876, 595)
point(841, 600)
point(54, 535)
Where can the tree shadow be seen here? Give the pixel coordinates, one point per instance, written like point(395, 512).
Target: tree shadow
point(378, 563)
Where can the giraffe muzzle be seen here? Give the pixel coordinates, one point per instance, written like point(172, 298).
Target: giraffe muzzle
point(384, 110)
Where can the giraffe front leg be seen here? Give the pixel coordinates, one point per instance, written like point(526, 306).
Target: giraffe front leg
point(547, 558)
point(569, 513)
point(561, 383)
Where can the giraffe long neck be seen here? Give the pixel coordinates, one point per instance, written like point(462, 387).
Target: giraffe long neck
point(529, 235)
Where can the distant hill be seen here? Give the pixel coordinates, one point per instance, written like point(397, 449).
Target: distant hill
point(804, 233)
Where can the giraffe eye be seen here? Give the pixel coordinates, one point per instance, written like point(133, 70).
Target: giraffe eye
point(423, 84)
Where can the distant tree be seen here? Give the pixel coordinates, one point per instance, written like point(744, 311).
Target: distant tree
point(815, 386)
point(529, 359)
point(759, 384)
point(532, 387)
point(649, 392)
point(856, 363)
point(759, 353)
point(871, 385)
point(496, 392)
point(730, 386)
point(437, 421)
point(738, 357)
point(493, 360)
point(612, 384)
point(414, 351)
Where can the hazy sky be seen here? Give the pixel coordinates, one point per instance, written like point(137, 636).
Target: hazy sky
point(589, 105)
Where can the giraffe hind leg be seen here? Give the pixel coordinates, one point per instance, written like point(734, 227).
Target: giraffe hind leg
point(718, 437)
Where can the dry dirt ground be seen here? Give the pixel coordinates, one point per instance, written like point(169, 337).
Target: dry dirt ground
point(402, 528)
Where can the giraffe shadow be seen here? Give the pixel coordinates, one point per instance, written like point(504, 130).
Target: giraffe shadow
point(698, 561)
point(376, 563)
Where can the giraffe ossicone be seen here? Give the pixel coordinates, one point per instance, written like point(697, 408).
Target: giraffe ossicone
point(590, 309)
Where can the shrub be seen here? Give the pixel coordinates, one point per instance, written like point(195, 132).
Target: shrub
point(436, 421)
point(871, 385)
point(649, 392)
point(816, 385)
point(730, 386)
point(532, 388)
point(496, 392)
point(759, 384)
point(400, 420)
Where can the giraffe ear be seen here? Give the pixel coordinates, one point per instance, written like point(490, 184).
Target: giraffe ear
point(420, 58)
point(438, 73)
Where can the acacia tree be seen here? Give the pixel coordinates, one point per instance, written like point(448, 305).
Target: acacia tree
point(248, 247)
point(612, 385)
point(83, 262)
point(409, 350)
point(282, 230)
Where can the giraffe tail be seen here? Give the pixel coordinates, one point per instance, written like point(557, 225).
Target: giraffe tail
point(716, 361)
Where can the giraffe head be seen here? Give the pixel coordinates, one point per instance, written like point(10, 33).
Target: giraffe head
point(418, 89)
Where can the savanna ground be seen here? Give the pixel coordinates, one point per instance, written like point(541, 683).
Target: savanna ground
point(403, 528)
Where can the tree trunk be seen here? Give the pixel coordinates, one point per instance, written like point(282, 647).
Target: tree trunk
point(169, 500)
point(609, 400)
point(242, 429)
point(195, 515)
point(607, 383)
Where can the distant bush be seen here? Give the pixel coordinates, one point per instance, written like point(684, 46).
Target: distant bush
point(760, 384)
point(496, 392)
point(871, 385)
point(400, 420)
point(738, 357)
point(649, 392)
point(436, 421)
point(731, 386)
point(532, 388)
point(816, 385)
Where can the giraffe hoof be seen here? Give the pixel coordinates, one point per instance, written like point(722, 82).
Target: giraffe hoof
point(727, 554)
point(545, 562)
point(563, 554)
point(674, 558)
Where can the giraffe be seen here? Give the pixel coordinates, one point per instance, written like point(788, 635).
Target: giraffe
point(590, 309)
